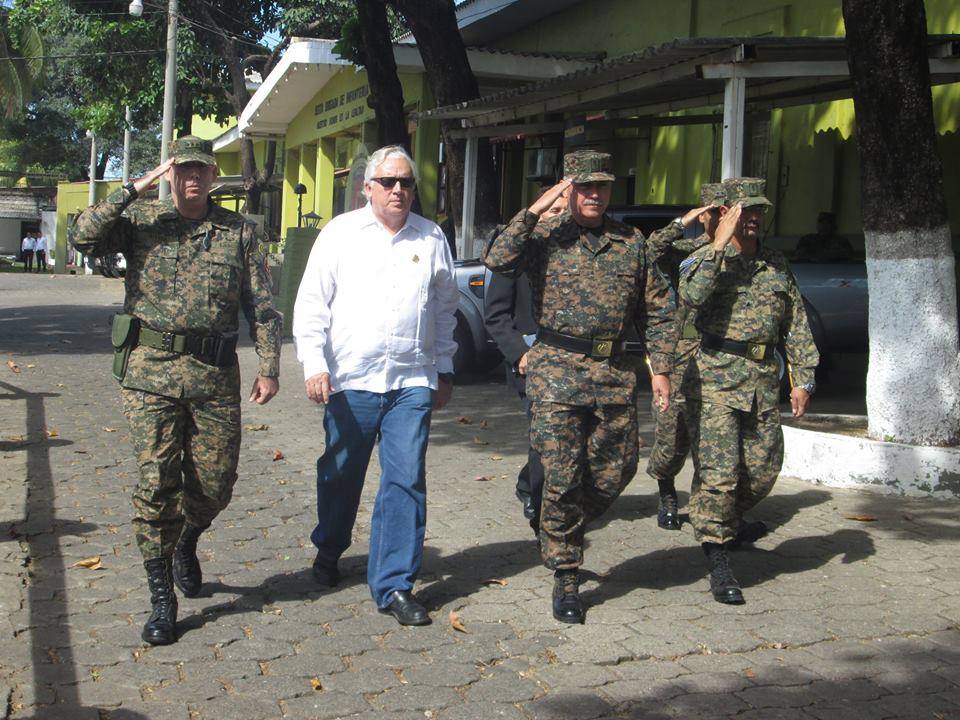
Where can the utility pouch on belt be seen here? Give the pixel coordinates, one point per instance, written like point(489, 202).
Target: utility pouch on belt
point(123, 336)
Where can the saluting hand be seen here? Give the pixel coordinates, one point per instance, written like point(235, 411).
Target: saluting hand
point(727, 227)
point(544, 202)
point(141, 184)
point(692, 214)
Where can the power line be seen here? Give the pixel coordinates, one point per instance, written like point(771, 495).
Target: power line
point(80, 55)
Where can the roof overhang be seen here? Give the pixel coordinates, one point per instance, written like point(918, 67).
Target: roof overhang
point(689, 73)
point(228, 141)
point(308, 65)
point(304, 69)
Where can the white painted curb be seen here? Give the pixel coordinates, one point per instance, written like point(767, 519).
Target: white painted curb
point(854, 462)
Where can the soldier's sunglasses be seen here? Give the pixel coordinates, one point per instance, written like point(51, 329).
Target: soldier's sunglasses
point(388, 183)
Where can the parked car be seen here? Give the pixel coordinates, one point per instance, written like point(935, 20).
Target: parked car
point(834, 295)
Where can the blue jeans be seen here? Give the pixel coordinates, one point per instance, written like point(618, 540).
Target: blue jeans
point(353, 421)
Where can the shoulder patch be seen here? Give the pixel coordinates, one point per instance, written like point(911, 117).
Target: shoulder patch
point(687, 264)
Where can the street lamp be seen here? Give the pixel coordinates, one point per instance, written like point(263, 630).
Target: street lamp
point(312, 219)
point(299, 190)
point(169, 83)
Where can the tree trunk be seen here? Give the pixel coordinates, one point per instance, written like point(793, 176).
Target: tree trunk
point(913, 381)
point(434, 25)
point(386, 92)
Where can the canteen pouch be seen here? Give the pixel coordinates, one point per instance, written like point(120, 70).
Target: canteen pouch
point(123, 337)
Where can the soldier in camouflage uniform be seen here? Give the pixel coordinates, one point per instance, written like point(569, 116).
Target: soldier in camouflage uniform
point(590, 281)
point(192, 266)
point(666, 249)
point(747, 301)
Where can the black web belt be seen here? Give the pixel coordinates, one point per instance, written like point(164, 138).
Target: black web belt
point(214, 350)
point(594, 347)
point(749, 350)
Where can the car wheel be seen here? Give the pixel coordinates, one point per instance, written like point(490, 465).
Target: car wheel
point(463, 357)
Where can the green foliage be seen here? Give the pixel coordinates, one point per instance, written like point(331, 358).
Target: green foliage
point(21, 63)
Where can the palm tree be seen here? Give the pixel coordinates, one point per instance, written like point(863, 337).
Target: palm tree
point(21, 64)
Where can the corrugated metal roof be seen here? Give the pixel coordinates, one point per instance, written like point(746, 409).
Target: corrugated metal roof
point(669, 77)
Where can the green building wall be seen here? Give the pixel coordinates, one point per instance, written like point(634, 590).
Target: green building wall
point(811, 159)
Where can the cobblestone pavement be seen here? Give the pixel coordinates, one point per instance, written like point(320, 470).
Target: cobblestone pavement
point(845, 617)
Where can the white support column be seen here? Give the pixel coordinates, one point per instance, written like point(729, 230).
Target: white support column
point(465, 237)
point(734, 116)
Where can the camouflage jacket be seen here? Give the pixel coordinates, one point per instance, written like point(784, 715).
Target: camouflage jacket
point(187, 277)
point(667, 248)
point(591, 285)
point(747, 299)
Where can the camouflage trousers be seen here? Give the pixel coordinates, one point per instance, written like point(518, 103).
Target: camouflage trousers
point(671, 441)
point(737, 456)
point(187, 452)
point(589, 455)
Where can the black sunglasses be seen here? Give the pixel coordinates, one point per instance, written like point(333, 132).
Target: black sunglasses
point(387, 183)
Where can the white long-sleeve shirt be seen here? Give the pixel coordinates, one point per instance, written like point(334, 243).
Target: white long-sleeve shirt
point(376, 309)
point(41, 244)
point(27, 244)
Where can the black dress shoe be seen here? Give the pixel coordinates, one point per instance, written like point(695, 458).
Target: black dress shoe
point(668, 512)
point(567, 605)
point(723, 584)
point(405, 608)
point(324, 572)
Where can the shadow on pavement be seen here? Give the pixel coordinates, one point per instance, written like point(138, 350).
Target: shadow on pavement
point(42, 329)
point(55, 675)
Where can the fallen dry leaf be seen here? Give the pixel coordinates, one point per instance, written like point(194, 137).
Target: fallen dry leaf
point(860, 518)
point(908, 517)
point(496, 457)
point(277, 455)
point(52, 433)
point(483, 478)
point(90, 563)
point(316, 684)
point(477, 440)
point(108, 429)
point(31, 365)
point(495, 581)
point(750, 673)
point(456, 623)
point(13, 366)
point(256, 428)
point(484, 424)
point(464, 420)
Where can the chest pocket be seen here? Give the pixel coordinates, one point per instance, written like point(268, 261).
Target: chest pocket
point(223, 269)
point(160, 264)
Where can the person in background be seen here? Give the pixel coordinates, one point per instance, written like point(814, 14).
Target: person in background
point(27, 246)
point(824, 246)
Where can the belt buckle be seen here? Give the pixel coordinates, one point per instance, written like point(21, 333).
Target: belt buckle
point(166, 341)
point(756, 350)
point(602, 348)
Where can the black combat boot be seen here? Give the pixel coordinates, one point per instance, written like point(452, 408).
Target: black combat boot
point(723, 584)
point(186, 566)
point(161, 626)
point(567, 606)
point(668, 512)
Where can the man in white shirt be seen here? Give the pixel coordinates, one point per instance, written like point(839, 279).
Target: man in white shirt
point(26, 251)
point(40, 252)
point(373, 324)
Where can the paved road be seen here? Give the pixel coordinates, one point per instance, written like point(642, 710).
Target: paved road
point(845, 618)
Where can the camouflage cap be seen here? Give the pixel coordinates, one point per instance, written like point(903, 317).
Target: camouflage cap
point(190, 148)
point(712, 194)
point(747, 191)
point(585, 166)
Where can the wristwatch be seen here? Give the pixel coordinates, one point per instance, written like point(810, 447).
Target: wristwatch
point(810, 387)
point(446, 377)
point(131, 191)
point(678, 221)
